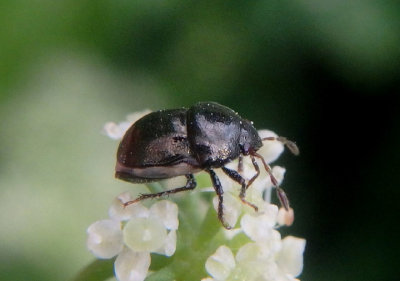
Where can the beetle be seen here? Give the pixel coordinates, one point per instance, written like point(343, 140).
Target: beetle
point(184, 141)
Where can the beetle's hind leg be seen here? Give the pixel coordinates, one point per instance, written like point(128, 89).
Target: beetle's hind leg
point(190, 184)
point(239, 179)
point(218, 189)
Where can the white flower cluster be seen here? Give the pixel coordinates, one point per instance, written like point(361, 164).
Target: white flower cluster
point(276, 259)
point(132, 233)
point(267, 258)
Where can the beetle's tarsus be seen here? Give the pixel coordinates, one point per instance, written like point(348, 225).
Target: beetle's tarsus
point(283, 198)
point(227, 226)
point(248, 203)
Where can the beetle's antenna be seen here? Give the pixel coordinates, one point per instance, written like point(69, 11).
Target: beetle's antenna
point(279, 191)
point(288, 143)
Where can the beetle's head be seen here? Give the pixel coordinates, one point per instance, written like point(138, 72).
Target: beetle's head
point(249, 138)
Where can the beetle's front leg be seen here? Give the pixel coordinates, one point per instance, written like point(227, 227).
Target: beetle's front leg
point(190, 184)
point(239, 179)
point(218, 189)
point(279, 191)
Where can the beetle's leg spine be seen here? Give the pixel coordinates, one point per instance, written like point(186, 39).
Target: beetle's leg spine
point(190, 184)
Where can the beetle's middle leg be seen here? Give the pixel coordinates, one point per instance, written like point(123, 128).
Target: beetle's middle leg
point(240, 164)
point(239, 179)
point(218, 189)
point(190, 184)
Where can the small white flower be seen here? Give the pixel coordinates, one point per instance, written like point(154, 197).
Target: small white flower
point(260, 226)
point(268, 258)
point(221, 263)
point(223, 266)
point(167, 212)
point(133, 233)
point(144, 234)
point(113, 130)
point(232, 207)
point(105, 238)
point(271, 149)
point(290, 258)
point(132, 266)
point(118, 212)
point(116, 131)
point(169, 246)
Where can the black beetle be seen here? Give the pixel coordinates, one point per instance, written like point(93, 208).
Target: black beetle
point(176, 142)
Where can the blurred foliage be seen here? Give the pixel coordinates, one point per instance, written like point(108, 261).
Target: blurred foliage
point(324, 73)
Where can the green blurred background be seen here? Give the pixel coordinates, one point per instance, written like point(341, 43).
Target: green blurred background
point(324, 73)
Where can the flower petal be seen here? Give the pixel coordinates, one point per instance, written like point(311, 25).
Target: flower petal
point(258, 227)
point(167, 211)
point(232, 208)
point(231, 233)
point(113, 131)
point(169, 247)
point(251, 252)
point(144, 234)
point(105, 238)
point(252, 261)
point(117, 131)
point(279, 173)
point(290, 258)
point(118, 212)
point(271, 149)
point(132, 266)
point(220, 264)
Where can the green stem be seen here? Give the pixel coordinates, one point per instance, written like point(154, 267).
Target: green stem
point(208, 229)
